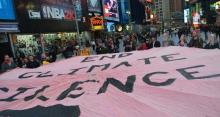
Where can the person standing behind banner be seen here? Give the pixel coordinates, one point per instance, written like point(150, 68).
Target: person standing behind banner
point(110, 46)
point(53, 53)
point(196, 41)
point(212, 42)
point(143, 46)
point(128, 44)
point(7, 64)
point(86, 50)
point(154, 43)
point(32, 63)
point(68, 50)
point(166, 40)
point(182, 41)
point(134, 41)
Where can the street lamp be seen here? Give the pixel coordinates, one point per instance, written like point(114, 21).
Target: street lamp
point(129, 14)
point(128, 27)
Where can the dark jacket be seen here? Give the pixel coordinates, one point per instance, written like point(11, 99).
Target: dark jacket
point(209, 46)
point(156, 44)
point(198, 43)
point(5, 67)
point(33, 64)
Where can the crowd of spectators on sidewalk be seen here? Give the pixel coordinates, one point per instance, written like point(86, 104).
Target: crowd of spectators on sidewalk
point(113, 44)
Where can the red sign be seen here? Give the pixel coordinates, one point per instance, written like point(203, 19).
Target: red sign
point(97, 23)
point(151, 1)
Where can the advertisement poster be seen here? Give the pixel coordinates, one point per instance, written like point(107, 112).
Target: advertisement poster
point(57, 9)
point(7, 10)
point(78, 9)
point(186, 15)
point(110, 10)
point(196, 18)
point(110, 26)
point(46, 9)
point(94, 5)
point(97, 23)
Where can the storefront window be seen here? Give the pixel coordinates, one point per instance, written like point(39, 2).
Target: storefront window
point(38, 43)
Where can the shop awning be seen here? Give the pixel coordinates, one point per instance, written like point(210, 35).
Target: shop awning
point(161, 82)
point(8, 27)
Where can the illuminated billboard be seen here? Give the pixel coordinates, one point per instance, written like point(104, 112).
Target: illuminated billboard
point(186, 15)
point(110, 26)
point(97, 23)
point(110, 10)
point(7, 10)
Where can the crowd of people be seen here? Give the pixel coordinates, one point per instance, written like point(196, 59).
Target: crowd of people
point(113, 44)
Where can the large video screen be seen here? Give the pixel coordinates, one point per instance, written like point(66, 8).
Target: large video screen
point(7, 10)
point(110, 10)
point(47, 9)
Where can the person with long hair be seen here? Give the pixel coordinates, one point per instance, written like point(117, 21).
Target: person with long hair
point(182, 41)
point(212, 42)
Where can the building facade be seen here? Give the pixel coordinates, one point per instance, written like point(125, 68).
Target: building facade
point(177, 12)
point(162, 8)
point(202, 12)
point(8, 26)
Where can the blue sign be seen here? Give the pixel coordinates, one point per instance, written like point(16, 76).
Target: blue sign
point(7, 10)
point(78, 9)
point(110, 26)
point(123, 8)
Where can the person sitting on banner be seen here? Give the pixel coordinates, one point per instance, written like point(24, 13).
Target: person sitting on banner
point(7, 64)
point(154, 43)
point(196, 41)
point(212, 42)
point(32, 63)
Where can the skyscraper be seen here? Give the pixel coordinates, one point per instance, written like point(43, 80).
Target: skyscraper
point(176, 11)
point(162, 8)
point(176, 5)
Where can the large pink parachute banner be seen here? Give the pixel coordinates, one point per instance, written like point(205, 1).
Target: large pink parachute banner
point(161, 82)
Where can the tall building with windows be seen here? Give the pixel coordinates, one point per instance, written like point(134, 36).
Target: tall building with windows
point(162, 8)
point(176, 5)
point(159, 9)
point(176, 12)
